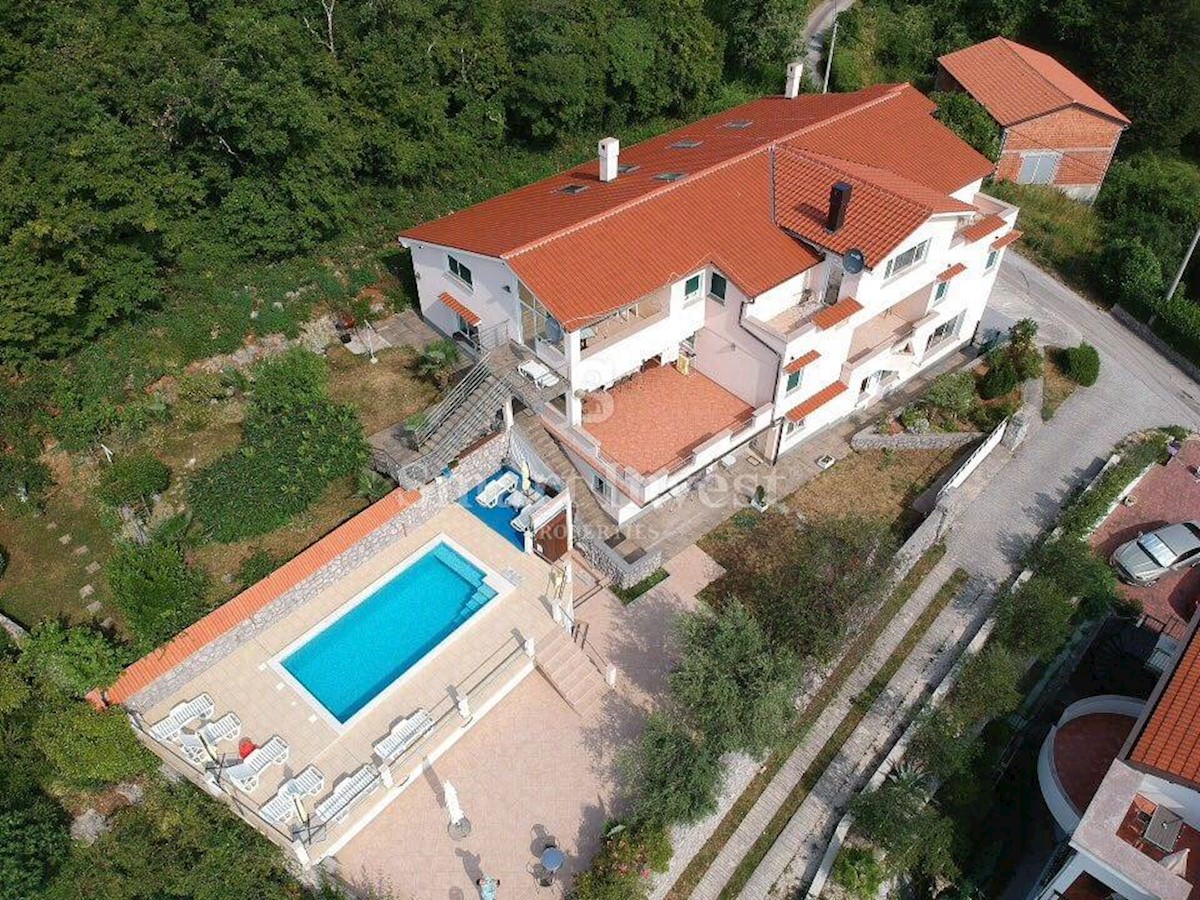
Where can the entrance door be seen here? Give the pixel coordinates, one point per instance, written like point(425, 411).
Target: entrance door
point(550, 542)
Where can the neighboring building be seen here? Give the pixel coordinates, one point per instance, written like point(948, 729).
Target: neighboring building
point(1054, 128)
point(1122, 780)
point(749, 278)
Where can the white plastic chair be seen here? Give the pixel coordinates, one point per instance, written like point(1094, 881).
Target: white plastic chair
point(245, 774)
point(495, 489)
point(282, 808)
point(169, 728)
point(197, 745)
point(403, 735)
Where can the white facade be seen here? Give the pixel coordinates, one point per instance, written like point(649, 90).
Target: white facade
point(744, 344)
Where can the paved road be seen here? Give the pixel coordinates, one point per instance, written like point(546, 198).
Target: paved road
point(1137, 389)
point(819, 21)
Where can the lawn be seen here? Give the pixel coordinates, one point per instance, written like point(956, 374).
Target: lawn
point(1058, 387)
point(1060, 233)
point(384, 393)
point(44, 575)
point(876, 484)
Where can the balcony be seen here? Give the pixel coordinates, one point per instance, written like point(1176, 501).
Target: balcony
point(988, 206)
point(620, 325)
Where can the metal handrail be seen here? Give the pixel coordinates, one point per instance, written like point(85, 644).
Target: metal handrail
point(444, 407)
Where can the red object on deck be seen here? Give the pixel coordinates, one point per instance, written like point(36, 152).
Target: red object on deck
point(246, 747)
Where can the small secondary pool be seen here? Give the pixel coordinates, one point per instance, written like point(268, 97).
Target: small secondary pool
point(353, 659)
point(499, 517)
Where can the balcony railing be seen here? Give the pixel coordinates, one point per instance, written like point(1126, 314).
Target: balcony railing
point(620, 325)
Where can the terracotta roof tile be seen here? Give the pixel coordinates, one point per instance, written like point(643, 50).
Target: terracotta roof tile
point(246, 604)
point(981, 229)
point(817, 400)
point(590, 253)
point(459, 307)
point(1169, 741)
point(1005, 239)
point(1015, 82)
point(801, 361)
point(839, 312)
point(956, 269)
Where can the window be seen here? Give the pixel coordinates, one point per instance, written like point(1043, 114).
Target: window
point(716, 287)
point(1038, 168)
point(907, 259)
point(459, 271)
point(793, 381)
point(943, 331)
point(790, 427)
point(993, 255)
point(939, 292)
point(691, 289)
point(599, 485)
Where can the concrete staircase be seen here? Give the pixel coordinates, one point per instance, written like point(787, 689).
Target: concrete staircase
point(571, 672)
point(590, 518)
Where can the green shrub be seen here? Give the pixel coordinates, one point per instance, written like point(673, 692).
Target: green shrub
point(966, 117)
point(897, 818)
point(622, 868)
point(1070, 563)
point(673, 777)
point(133, 478)
point(1178, 323)
point(90, 749)
point(14, 691)
point(952, 392)
point(255, 567)
point(913, 419)
point(155, 590)
point(295, 441)
point(74, 659)
point(1036, 620)
point(1001, 378)
point(987, 687)
point(1082, 364)
point(858, 871)
point(33, 841)
point(943, 744)
point(437, 362)
point(3, 560)
point(1086, 509)
point(1131, 276)
point(733, 685)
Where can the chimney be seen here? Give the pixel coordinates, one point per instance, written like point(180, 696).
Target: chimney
point(794, 70)
point(839, 202)
point(609, 151)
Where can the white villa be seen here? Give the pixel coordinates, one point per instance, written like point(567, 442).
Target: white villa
point(747, 279)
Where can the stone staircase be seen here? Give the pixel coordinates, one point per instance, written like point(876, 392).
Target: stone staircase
point(571, 672)
point(590, 518)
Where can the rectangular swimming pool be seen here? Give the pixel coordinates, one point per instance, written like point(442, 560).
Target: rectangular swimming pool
point(354, 658)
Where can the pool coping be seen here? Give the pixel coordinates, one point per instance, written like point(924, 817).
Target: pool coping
point(501, 585)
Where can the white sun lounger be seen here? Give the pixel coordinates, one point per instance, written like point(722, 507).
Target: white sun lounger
point(180, 715)
point(347, 793)
point(282, 808)
point(403, 735)
point(495, 489)
point(198, 744)
point(523, 521)
point(245, 774)
point(538, 373)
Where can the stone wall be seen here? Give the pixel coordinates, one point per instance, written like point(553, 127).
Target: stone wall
point(611, 564)
point(870, 439)
point(472, 469)
point(1142, 330)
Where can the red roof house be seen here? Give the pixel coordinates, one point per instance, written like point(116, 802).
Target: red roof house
point(1055, 129)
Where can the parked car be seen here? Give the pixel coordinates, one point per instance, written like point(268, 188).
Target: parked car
point(1152, 555)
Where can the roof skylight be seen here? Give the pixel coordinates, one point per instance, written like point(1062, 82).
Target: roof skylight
point(738, 124)
point(668, 176)
point(573, 189)
point(626, 168)
point(686, 144)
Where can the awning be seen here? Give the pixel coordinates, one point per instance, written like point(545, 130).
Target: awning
point(1004, 240)
point(459, 307)
point(801, 361)
point(956, 269)
point(817, 400)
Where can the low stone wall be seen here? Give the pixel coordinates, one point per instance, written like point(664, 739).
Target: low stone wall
point(870, 439)
point(611, 564)
point(1146, 333)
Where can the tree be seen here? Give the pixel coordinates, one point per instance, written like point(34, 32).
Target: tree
point(673, 777)
point(74, 659)
point(735, 688)
point(156, 591)
point(896, 817)
point(14, 692)
point(1072, 565)
point(33, 840)
point(437, 362)
point(290, 381)
point(952, 392)
point(760, 37)
point(1035, 620)
point(987, 687)
point(1131, 276)
point(1155, 200)
point(966, 117)
point(87, 748)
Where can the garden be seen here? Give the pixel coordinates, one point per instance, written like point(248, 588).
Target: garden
point(927, 824)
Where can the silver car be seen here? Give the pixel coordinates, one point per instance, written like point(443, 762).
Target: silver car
point(1152, 555)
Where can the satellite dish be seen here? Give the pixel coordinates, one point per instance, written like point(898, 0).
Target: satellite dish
point(854, 261)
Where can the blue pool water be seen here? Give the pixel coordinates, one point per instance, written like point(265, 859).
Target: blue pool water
point(499, 517)
point(345, 665)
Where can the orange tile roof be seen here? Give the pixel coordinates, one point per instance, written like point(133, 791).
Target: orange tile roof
point(839, 312)
point(232, 613)
point(1016, 83)
point(817, 400)
point(459, 307)
point(956, 269)
point(1169, 740)
point(981, 229)
point(1005, 239)
point(589, 253)
point(884, 207)
point(801, 361)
